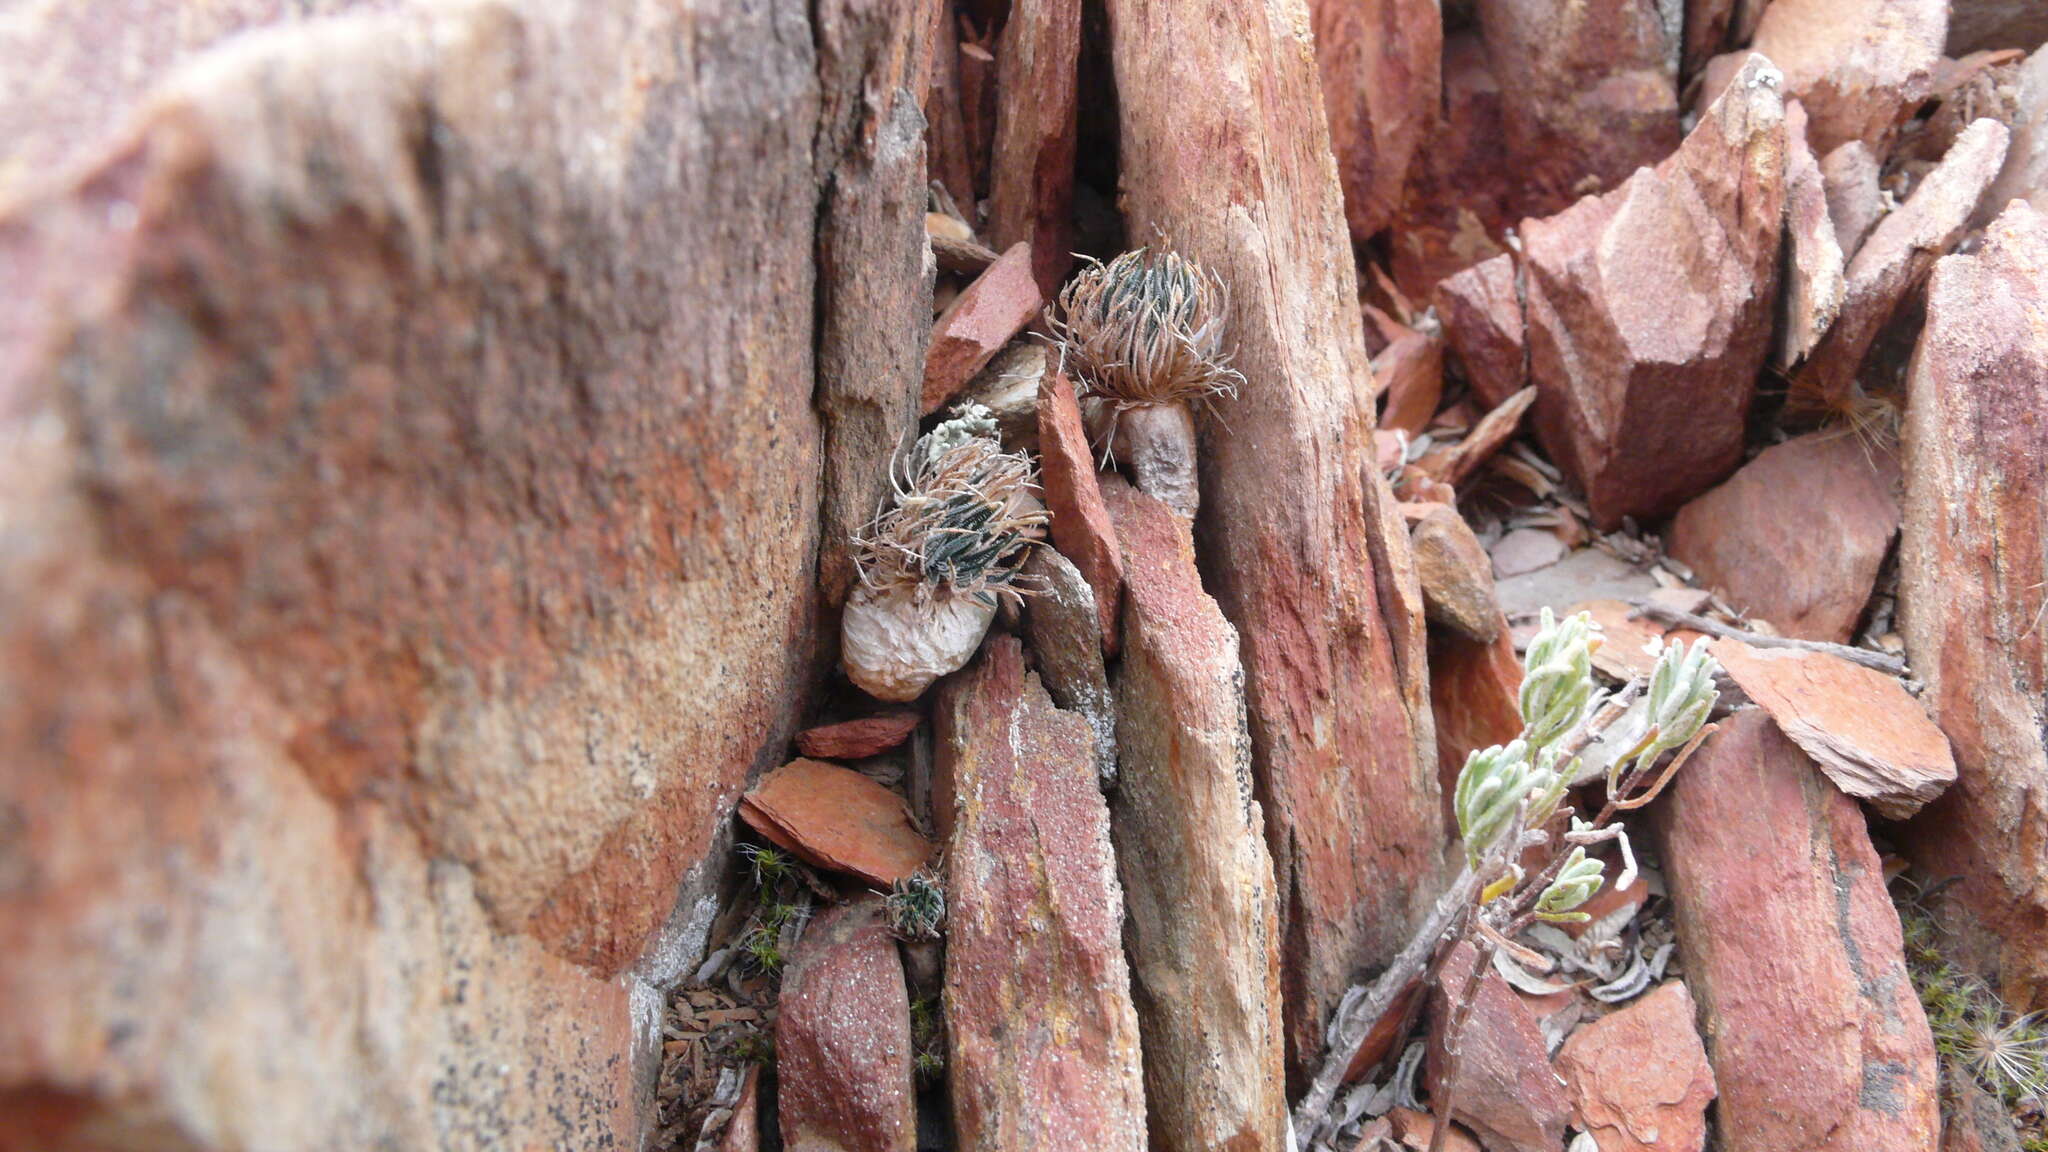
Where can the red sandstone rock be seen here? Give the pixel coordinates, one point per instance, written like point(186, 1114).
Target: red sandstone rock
point(1463, 460)
point(1974, 1120)
point(1792, 948)
point(1474, 690)
point(1031, 167)
point(2025, 175)
point(1971, 589)
point(1814, 283)
point(1797, 535)
point(1978, 24)
point(1203, 932)
point(1646, 355)
point(1456, 574)
point(1506, 1091)
point(1300, 541)
point(1411, 370)
point(1898, 255)
point(1064, 635)
point(1639, 1079)
point(1380, 67)
point(842, 1038)
point(976, 325)
point(1481, 312)
point(1042, 1041)
point(836, 818)
point(1462, 191)
point(743, 1131)
point(1860, 66)
point(1855, 202)
point(854, 739)
point(1080, 525)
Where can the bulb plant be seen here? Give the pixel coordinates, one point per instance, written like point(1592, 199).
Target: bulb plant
point(1143, 337)
point(940, 558)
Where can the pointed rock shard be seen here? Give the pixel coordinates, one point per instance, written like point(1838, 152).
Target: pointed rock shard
point(1080, 526)
point(2025, 175)
point(1203, 933)
point(1065, 635)
point(842, 1038)
point(836, 818)
point(1456, 574)
point(1896, 258)
point(1380, 62)
point(1973, 575)
point(1042, 1041)
point(1855, 202)
point(1814, 285)
point(1645, 355)
point(1859, 66)
point(1797, 535)
point(1506, 1091)
point(854, 739)
point(976, 325)
point(1299, 535)
point(1639, 1078)
point(1481, 311)
point(1793, 950)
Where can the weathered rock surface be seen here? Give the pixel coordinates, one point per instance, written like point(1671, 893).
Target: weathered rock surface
point(1031, 169)
point(1042, 1041)
point(1639, 1079)
point(1461, 461)
point(1203, 933)
point(977, 324)
point(1481, 312)
point(1080, 524)
point(1299, 535)
point(1974, 25)
point(1971, 576)
point(1859, 66)
point(1850, 174)
point(1814, 283)
point(1456, 574)
point(1898, 255)
point(360, 418)
point(1645, 355)
point(1411, 370)
point(1974, 1120)
point(842, 1038)
point(854, 739)
point(2025, 175)
point(1792, 948)
point(1462, 192)
point(836, 818)
point(1065, 634)
point(1474, 694)
point(1505, 1089)
point(1797, 535)
point(1380, 63)
point(1415, 1129)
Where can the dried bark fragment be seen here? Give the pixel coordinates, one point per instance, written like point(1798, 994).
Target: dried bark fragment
point(1308, 556)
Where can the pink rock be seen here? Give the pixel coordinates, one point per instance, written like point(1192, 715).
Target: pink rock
point(1639, 1078)
point(854, 739)
point(1645, 355)
point(1456, 574)
point(836, 818)
point(1506, 1091)
point(1859, 66)
point(1461, 461)
point(1797, 535)
point(1897, 257)
point(842, 1038)
point(1481, 312)
point(1855, 202)
point(2025, 174)
point(976, 325)
point(1526, 550)
point(1793, 949)
point(1203, 932)
point(1080, 525)
point(1042, 1038)
point(1380, 67)
point(1972, 580)
point(1411, 370)
point(1814, 283)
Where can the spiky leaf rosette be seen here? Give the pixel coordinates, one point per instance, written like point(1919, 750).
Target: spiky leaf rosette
point(1145, 328)
point(963, 519)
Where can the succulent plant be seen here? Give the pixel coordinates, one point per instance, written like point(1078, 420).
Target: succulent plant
point(1558, 690)
point(936, 561)
point(916, 907)
point(1143, 337)
point(1575, 884)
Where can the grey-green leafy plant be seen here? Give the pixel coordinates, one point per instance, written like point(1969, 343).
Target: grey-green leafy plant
point(916, 907)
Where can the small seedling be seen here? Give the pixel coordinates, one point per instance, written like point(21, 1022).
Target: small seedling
point(916, 907)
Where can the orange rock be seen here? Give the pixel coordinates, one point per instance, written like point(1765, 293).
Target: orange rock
point(854, 739)
point(1380, 67)
point(976, 325)
point(1415, 1129)
point(1871, 738)
point(1080, 524)
point(1639, 1078)
point(1411, 369)
point(836, 818)
point(1474, 692)
point(1456, 574)
point(1814, 283)
point(1797, 535)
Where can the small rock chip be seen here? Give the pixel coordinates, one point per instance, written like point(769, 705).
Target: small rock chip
point(1456, 574)
point(1526, 550)
point(1639, 1078)
point(977, 324)
point(1414, 1130)
point(854, 739)
point(838, 819)
point(1506, 1091)
point(1411, 371)
point(1871, 738)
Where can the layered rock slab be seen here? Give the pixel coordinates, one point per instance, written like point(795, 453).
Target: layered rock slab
point(1042, 1039)
point(1973, 566)
point(842, 1038)
point(1381, 68)
point(1650, 310)
point(1306, 553)
point(1203, 933)
point(1793, 950)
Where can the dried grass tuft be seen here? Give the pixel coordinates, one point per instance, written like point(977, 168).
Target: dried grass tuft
point(1145, 328)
